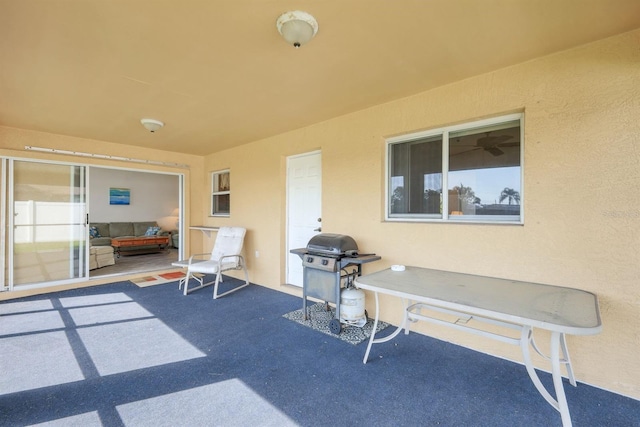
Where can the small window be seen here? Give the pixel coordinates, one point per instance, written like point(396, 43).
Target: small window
point(477, 166)
point(220, 193)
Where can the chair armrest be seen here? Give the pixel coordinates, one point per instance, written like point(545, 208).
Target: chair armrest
point(196, 256)
point(230, 256)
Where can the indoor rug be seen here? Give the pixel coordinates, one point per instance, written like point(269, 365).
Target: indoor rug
point(158, 279)
point(319, 319)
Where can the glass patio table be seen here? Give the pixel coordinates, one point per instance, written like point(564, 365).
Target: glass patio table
point(516, 305)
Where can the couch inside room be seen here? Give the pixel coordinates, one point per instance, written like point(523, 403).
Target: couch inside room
point(103, 232)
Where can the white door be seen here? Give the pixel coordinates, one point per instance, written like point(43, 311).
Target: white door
point(304, 208)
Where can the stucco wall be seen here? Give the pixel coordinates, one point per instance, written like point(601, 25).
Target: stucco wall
point(581, 174)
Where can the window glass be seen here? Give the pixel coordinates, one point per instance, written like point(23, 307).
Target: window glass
point(484, 171)
point(221, 193)
point(416, 177)
point(480, 169)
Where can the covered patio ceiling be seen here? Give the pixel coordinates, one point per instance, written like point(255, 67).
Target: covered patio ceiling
point(218, 73)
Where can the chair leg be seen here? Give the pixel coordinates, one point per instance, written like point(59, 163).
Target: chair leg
point(219, 279)
point(186, 282)
point(215, 286)
point(246, 275)
point(197, 279)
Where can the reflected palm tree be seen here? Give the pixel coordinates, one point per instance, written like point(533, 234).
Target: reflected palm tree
point(511, 195)
point(466, 194)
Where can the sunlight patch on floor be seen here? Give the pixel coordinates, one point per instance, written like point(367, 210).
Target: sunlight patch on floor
point(131, 345)
point(88, 419)
point(117, 334)
point(25, 306)
point(108, 313)
point(226, 403)
point(38, 360)
point(87, 300)
point(30, 322)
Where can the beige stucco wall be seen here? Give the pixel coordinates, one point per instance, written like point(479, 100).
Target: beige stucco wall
point(581, 172)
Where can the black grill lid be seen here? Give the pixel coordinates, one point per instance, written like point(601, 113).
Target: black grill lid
point(332, 244)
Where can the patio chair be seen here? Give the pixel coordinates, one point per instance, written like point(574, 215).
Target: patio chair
point(224, 256)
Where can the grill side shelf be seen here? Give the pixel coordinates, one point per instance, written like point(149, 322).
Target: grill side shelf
point(361, 259)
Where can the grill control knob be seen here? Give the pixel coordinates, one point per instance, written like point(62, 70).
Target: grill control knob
point(309, 259)
point(325, 261)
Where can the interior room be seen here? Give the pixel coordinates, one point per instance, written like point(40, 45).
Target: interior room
point(474, 142)
point(153, 197)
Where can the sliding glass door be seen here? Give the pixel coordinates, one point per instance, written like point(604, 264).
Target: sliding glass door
point(46, 218)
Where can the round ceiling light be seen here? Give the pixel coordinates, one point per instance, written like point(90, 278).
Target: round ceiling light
point(152, 125)
point(297, 27)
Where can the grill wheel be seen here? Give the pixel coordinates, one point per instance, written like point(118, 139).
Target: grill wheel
point(335, 326)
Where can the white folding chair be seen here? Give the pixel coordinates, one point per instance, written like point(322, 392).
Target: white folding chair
point(224, 256)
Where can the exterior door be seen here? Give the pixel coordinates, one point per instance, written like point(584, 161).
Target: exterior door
point(304, 208)
point(47, 223)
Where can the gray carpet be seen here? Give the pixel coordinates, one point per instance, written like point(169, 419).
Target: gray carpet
point(122, 356)
point(319, 319)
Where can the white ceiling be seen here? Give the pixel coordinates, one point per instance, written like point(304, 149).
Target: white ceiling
point(219, 75)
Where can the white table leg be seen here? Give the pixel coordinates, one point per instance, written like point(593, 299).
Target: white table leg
point(567, 360)
point(372, 339)
point(373, 331)
point(557, 379)
point(525, 337)
point(557, 343)
point(406, 314)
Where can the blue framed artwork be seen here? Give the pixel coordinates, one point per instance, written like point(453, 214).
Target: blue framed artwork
point(119, 196)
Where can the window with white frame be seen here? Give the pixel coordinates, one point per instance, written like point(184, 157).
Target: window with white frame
point(220, 193)
point(479, 164)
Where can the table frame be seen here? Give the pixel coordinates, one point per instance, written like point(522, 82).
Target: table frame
point(419, 291)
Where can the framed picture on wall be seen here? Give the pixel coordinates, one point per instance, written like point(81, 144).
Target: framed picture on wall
point(119, 196)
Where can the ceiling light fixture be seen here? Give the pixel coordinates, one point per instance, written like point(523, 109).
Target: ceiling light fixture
point(297, 27)
point(152, 125)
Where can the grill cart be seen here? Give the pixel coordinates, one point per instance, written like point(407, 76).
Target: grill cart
point(326, 261)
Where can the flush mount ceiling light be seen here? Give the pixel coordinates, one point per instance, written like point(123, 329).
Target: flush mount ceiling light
point(297, 27)
point(151, 125)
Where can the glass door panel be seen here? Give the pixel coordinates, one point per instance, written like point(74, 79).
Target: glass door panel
point(49, 222)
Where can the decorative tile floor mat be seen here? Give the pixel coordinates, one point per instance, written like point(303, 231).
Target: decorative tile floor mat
point(158, 279)
point(319, 319)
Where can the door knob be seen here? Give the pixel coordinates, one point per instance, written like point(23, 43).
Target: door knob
point(319, 219)
point(317, 229)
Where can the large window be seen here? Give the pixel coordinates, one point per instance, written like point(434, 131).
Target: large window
point(479, 164)
point(220, 193)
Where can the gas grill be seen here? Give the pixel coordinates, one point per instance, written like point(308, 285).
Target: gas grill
point(325, 262)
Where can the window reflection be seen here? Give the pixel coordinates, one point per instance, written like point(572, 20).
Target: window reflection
point(416, 177)
point(480, 169)
point(484, 171)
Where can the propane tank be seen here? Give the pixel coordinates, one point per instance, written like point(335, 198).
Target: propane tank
point(352, 306)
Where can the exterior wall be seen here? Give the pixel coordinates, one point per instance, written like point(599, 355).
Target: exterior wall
point(581, 172)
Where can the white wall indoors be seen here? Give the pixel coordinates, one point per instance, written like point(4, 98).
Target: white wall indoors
point(153, 195)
